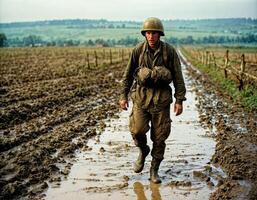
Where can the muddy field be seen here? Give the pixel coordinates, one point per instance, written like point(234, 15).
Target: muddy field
point(51, 103)
point(58, 134)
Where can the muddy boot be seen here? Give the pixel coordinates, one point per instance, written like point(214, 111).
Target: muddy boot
point(139, 164)
point(154, 177)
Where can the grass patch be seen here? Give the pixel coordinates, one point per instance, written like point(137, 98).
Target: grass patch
point(247, 97)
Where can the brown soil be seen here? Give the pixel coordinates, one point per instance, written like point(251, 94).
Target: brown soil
point(235, 131)
point(51, 104)
point(44, 119)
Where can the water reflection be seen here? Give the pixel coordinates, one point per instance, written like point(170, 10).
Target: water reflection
point(139, 191)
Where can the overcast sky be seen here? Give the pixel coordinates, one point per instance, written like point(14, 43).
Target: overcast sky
point(32, 10)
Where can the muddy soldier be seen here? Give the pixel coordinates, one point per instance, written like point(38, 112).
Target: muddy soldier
point(153, 65)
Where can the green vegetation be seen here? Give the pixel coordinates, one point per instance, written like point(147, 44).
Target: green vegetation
point(247, 97)
point(110, 33)
point(2, 39)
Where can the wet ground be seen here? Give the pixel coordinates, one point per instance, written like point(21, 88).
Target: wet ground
point(104, 169)
point(235, 129)
point(61, 137)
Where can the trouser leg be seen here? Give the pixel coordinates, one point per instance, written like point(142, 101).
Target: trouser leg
point(160, 130)
point(139, 125)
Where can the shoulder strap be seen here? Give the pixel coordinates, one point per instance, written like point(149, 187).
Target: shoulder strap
point(165, 54)
point(141, 56)
point(141, 48)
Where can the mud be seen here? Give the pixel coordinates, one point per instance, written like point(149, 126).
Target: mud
point(236, 135)
point(105, 169)
point(49, 109)
point(61, 136)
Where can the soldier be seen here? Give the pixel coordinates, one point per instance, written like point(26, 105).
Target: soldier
point(153, 65)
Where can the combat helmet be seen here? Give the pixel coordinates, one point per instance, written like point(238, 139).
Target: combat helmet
point(152, 24)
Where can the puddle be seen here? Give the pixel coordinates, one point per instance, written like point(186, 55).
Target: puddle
point(106, 172)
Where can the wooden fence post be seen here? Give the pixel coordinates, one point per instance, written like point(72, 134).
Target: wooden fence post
point(243, 63)
point(226, 63)
point(88, 64)
point(103, 54)
point(122, 55)
point(214, 60)
point(110, 56)
point(199, 57)
point(207, 58)
point(96, 64)
point(202, 57)
point(241, 76)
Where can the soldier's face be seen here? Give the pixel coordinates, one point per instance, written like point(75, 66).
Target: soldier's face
point(152, 38)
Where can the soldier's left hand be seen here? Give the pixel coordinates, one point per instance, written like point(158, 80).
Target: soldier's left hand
point(178, 109)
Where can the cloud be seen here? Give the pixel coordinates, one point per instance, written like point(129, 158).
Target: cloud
point(31, 10)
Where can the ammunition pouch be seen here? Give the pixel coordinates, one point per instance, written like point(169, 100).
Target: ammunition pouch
point(143, 76)
point(159, 76)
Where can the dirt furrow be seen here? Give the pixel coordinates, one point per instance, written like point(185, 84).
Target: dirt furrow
point(33, 162)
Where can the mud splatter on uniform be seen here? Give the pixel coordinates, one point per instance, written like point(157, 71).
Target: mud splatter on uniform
point(152, 103)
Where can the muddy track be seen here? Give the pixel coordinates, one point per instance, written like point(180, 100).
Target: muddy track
point(235, 131)
point(104, 169)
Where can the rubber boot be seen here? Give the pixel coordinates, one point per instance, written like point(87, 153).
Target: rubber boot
point(139, 164)
point(154, 177)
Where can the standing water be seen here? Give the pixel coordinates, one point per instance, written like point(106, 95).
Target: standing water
point(105, 170)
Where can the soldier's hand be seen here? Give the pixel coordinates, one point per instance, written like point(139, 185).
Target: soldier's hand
point(124, 104)
point(178, 109)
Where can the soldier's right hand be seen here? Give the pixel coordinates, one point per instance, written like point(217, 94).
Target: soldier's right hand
point(124, 104)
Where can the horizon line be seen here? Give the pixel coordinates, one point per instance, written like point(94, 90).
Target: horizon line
point(122, 20)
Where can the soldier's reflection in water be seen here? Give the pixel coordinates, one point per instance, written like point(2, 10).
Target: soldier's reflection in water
point(139, 191)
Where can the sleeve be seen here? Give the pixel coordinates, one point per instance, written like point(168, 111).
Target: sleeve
point(128, 76)
point(178, 80)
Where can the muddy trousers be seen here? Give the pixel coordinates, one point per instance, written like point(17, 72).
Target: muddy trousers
point(160, 128)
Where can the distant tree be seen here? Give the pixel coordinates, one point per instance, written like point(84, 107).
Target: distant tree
point(51, 43)
point(189, 40)
point(172, 40)
point(32, 40)
point(71, 42)
point(250, 38)
point(220, 40)
point(111, 26)
point(3, 39)
point(90, 43)
point(29, 41)
point(15, 42)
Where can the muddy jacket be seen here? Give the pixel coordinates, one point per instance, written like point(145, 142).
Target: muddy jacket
point(143, 96)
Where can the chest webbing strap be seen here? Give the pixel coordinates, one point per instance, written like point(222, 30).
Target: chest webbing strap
point(164, 54)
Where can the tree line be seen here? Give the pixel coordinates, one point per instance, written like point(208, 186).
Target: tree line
point(244, 39)
point(234, 23)
point(34, 40)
